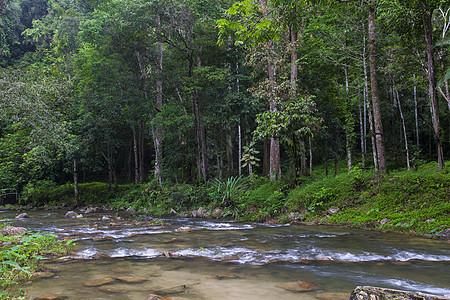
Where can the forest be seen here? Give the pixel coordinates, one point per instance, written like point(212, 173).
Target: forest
point(201, 91)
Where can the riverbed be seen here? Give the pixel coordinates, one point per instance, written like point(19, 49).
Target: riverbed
point(131, 256)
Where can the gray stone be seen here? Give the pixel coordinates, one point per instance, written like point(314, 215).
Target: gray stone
point(11, 230)
point(384, 221)
point(170, 290)
point(71, 214)
point(445, 233)
point(331, 211)
point(22, 216)
point(217, 213)
point(376, 293)
point(99, 281)
point(296, 217)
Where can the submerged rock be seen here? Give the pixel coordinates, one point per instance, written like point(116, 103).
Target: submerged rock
point(298, 286)
point(131, 279)
point(376, 293)
point(50, 297)
point(99, 281)
point(170, 290)
point(157, 297)
point(11, 230)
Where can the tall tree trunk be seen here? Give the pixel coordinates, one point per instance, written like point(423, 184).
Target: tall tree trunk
point(136, 160)
point(374, 88)
point(75, 182)
point(404, 129)
point(347, 126)
point(266, 157)
point(428, 28)
point(159, 100)
point(240, 148)
point(361, 130)
point(310, 156)
point(229, 150)
point(416, 111)
point(274, 162)
point(141, 151)
point(369, 113)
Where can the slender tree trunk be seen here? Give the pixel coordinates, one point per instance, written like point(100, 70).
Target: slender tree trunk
point(229, 150)
point(361, 130)
point(136, 160)
point(274, 162)
point(75, 182)
point(141, 151)
point(240, 148)
point(404, 129)
point(347, 126)
point(159, 100)
point(310, 156)
point(428, 27)
point(374, 88)
point(369, 113)
point(416, 112)
point(266, 157)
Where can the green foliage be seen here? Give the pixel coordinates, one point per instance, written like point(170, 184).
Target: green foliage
point(227, 193)
point(22, 257)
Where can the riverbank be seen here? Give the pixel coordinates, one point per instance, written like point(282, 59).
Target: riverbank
point(21, 253)
point(412, 202)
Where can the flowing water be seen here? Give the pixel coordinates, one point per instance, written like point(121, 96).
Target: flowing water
point(204, 259)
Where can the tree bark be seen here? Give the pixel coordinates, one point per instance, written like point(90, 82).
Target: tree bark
point(374, 88)
point(416, 112)
point(428, 28)
point(404, 129)
point(274, 162)
point(136, 160)
point(229, 150)
point(75, 182)
point(361, 130)
point(369, 113)
point(159, 100)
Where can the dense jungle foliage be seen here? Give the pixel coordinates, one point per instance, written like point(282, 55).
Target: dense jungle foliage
point(270, 107)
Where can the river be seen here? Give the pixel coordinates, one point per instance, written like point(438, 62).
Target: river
point(205, 259)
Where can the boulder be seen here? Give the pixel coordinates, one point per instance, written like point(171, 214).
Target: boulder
point(332, 296)
point(95, 209)
point(217, 213)
point(384, 221)
point(11, 230)
point(296, 217)
point(22, 216)
point(445, 233)
point(298, 286)
point(376, 293)
point(331, 211)
point(72, 214)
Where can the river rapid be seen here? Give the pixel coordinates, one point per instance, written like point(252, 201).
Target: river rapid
point(133, 256)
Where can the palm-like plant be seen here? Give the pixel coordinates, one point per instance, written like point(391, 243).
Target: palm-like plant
point(228, 191)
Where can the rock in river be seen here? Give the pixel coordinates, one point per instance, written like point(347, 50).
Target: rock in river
point(50, 297)
point(11, 230)
point(376, 293)
point(99, 281)
point(131, 279)
point(298, 286)
point(22, 216)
